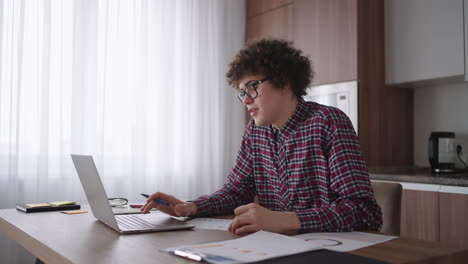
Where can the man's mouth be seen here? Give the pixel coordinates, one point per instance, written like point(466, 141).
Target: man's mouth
point(253, 111)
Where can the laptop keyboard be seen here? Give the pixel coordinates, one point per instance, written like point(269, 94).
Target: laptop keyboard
point(133, 222)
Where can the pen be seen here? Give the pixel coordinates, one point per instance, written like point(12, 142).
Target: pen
point(198, 256)
point(161, 201)
point(188, 254)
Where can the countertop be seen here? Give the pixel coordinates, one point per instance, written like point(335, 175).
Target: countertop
point(418, 175)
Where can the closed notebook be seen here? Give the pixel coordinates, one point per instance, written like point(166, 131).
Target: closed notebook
point(45, 207)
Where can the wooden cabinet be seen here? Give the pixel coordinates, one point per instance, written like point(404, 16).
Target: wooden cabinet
point(454, 219)
point(324, 30)
point(424, 40)
point(258, 7)
point(420, 215)
point(435, 213)
point(327, 32)
point(276, 23)
point(385, 113)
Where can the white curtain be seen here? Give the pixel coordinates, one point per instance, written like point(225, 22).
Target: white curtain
point(137, 84)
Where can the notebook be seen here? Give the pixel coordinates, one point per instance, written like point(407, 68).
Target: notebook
point(29, 208)
point(101, 209)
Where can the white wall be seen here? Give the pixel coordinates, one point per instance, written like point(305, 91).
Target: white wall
point(439, 108)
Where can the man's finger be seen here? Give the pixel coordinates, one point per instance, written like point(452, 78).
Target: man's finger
point(230, 227)
point(152, 204)
point(243, 208)
point(147, 207)
point(240, 221)
point(246, 229)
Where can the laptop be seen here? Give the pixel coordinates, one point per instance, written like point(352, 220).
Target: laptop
point(127, 223)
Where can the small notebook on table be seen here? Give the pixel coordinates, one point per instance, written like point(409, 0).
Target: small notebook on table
point(46, 207)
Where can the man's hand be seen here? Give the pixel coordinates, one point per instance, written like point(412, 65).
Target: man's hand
point(253, 217)
point(176, 207)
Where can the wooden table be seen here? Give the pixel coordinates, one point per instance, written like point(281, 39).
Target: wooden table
point(54, 237)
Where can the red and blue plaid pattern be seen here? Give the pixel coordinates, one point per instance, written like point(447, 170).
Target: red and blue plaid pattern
point(312, 166)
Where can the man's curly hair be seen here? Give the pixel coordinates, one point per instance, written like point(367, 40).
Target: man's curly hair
point(276, 59)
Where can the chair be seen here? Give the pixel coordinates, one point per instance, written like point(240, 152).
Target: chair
point(388, 196)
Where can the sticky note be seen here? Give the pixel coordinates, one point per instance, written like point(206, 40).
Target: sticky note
point(37, 205)
point(59, 203)
point(74, 212)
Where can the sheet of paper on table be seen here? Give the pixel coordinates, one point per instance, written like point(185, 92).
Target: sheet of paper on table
point(345, 241)
point(259, 246)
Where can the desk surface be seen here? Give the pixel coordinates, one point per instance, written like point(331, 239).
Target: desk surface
point(59, 238)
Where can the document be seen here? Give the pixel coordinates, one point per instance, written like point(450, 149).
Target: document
point(259, 246)
point(210, 223)
point(344, 241)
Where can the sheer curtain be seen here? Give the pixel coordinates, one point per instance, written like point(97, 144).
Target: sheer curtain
point(137, 84)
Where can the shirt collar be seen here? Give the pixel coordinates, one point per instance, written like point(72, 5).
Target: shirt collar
point(297, 117)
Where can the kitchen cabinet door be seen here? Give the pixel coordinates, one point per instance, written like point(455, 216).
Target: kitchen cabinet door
point(424, 40)
point(420, 215)
point(385, 112)
point(327, 32)
point(258, 7)
point(277, 23)
point(454, 219)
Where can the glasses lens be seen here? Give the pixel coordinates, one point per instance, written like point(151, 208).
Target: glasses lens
point(251, 91)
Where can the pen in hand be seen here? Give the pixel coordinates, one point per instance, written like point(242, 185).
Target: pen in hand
point(160, 201)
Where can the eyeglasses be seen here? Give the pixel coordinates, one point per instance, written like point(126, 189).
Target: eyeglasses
point(250, 90)
point(117, 202)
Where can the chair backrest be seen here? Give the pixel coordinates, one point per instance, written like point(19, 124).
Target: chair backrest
point(388, 196)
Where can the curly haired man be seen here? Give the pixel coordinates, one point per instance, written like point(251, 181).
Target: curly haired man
point(300, 161)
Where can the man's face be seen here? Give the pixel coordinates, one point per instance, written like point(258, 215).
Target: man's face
point(265, 109)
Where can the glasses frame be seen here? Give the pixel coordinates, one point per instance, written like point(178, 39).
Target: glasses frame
point(117, 202)
point(241, 95)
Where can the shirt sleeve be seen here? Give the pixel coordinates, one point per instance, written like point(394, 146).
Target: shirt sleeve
point(353, 206)
point(239, 188)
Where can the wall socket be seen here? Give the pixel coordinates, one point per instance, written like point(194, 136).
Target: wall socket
point(448, 151)
point(463, 154)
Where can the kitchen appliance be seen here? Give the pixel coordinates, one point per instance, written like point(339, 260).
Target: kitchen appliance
point(343, 95)
point(441, 151)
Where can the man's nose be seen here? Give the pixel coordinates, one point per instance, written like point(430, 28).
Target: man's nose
point(247, 100)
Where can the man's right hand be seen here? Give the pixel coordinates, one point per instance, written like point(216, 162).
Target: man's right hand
point(176, 207)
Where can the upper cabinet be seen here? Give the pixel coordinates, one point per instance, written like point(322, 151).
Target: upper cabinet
point(424, 41)
point(327, 32)
point(258, 7)
point(274, 22)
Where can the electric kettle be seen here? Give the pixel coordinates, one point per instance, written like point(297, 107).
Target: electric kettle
point(441, 152)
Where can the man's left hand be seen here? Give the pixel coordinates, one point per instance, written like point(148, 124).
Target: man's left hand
point(254, 217)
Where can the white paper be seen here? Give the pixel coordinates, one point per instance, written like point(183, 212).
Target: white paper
point(344, 241)
point(210, 223)
point(259, 246)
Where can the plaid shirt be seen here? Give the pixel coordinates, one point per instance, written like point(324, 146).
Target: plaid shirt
point(312, 166)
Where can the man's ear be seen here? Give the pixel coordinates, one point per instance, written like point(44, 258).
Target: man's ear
point(286, 87)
